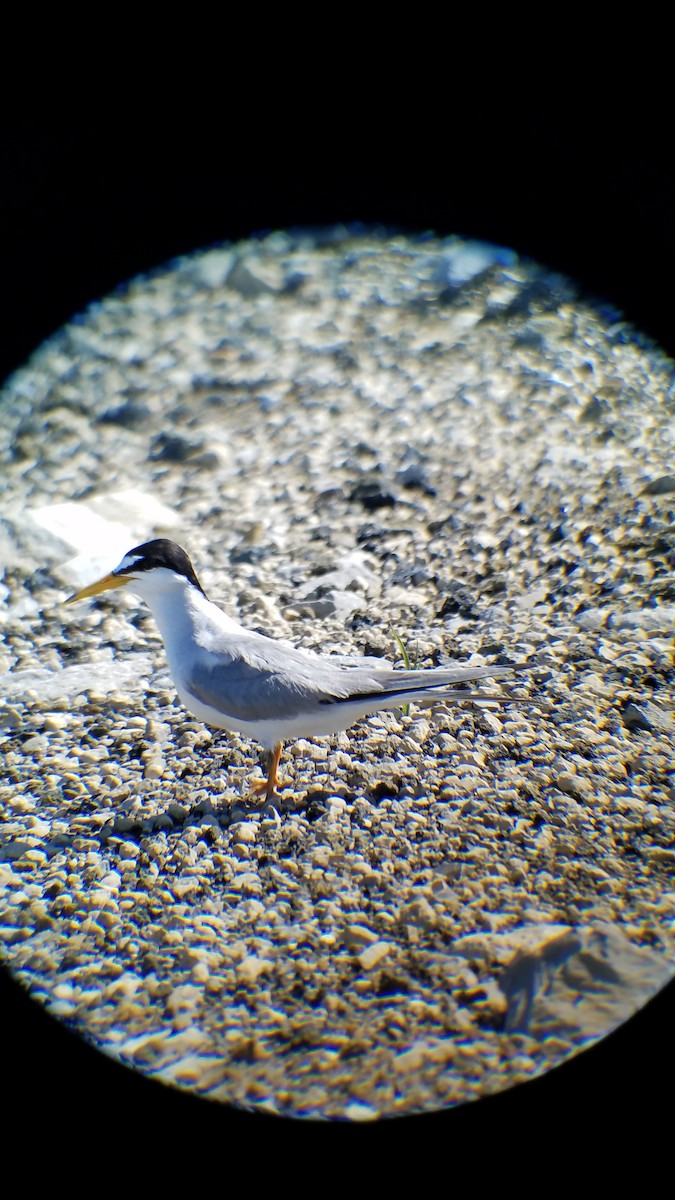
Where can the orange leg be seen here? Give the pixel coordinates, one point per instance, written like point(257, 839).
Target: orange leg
point(269, 785)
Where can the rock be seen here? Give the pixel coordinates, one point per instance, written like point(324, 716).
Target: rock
point(411, 573)
point(209, 270)
point(459, 599)
point(592, 618)
point(10, 718)
point(651, 717)
point(184, 886)
point(244, 832)
point(360, 1112)
point(372, 495)
point(56, 722)
point(329, 604)
point(246, 280)
point(415, 475)
point(112, 881)
point(209, 460)
point(418, 912)
point(573, 785)
point(352, 574)
point(660, 619)
point(130, 415)
point(173, 448)
point(373, 955)
point(155, 768)
point(250, 968)
point(11, 851)
point(101, 529)
point(463, 260)
point(184, 999)
point(422, 1052)
point(358, 936)
point(580, 984)
point(161, 821)
point(661, 486)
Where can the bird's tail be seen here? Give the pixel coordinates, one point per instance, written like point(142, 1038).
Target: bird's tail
point(434, 685)
point(436, 678)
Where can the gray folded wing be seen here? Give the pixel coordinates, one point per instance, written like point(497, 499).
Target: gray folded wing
point(262, 680)
point(274, 685)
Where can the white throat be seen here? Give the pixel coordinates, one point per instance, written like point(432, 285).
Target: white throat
point(185, 618)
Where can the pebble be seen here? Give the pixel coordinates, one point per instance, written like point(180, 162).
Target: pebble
point(373, 955)
point(10, 718)
point(155, 769)
point(112, 881)
point(244, 831)
point(12, 851)
point(358, 936)
point(648, 716)
point(360, 1112)
point(574, 785)
point(36, 745)
point(250, 968)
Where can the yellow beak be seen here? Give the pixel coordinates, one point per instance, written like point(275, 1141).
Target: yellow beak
point(101, 585)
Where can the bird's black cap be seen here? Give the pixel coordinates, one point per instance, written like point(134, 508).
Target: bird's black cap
point(161, 552)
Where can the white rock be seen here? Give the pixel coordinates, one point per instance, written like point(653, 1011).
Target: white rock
point(373, 955)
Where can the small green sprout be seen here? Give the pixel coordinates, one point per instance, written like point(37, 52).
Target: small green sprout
point(406, 660)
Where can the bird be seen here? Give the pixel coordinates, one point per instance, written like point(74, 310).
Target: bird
point(242, 681)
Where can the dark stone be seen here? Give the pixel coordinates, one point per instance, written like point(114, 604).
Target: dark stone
point(385, 788)
point(451, 522)
point(391, 985)
point(171, 447)
point(558, 533)
point(129, 415)
point(528, 339)
point(293, 282)
point(373, 651)
point(372, 496)
point(371, 532)
point(410, 573)
point(459, 600)
point(665, 544)
point(649, 717)
point(493, 585)
point(660, 486)
point(38, 580)
point(315, 810)
point(247, 554)
point(595, 410)
point(245, 281)
point(415, 476)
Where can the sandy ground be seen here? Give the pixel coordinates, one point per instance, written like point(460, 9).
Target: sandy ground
point(366, 446)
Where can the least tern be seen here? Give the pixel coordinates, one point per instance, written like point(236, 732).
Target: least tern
point(236, 679)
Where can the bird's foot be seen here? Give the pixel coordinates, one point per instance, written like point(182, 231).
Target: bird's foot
point(269, 786)
point(262, 789)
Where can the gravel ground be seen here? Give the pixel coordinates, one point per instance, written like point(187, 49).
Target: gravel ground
point(358, 439)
